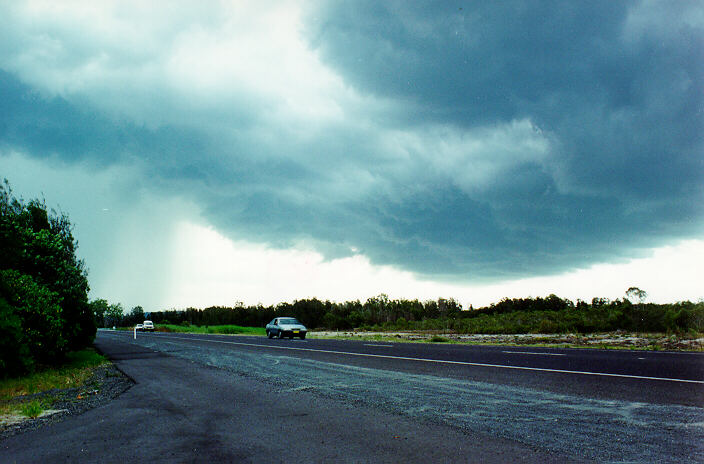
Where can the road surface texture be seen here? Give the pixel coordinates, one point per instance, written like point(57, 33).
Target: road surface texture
point(250, 399)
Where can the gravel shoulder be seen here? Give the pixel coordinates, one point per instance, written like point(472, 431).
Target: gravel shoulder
point(106, 383)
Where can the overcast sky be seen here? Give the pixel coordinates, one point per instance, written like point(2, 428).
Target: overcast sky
point(216, 152)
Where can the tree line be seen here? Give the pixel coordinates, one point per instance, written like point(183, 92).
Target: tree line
point(44, 309)
point(550, 314)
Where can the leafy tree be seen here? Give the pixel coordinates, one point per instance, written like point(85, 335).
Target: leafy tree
point(14, 354)
point(99, 308)
point(114, 315)
point(637, 293)
point(40, 273)
point(136, 316)
point(40, 317)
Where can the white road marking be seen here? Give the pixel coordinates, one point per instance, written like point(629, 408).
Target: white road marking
point(375, 344)
point(441, 361)
point(534, 352)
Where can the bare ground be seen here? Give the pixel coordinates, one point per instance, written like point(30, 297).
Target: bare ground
point(617, 340)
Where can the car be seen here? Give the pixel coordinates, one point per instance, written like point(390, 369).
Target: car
point(286, 327)
point(139, 327)
point(148, 326)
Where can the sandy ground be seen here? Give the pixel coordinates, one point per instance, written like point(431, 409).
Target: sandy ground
point(604, 340)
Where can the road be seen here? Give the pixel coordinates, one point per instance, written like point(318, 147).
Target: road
point(248, 399)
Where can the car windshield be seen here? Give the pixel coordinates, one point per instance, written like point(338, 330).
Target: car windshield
point(288, 321)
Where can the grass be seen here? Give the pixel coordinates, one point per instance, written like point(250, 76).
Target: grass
point(72, 373)
point(32, 409)
point(228, 329)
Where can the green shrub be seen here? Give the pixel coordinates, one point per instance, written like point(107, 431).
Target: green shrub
point(14, 355)
point(547, 326)
point(43, 286)
point(32, 409)
point(40, 319)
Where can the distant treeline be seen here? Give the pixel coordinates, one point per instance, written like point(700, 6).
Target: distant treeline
point(551, 314)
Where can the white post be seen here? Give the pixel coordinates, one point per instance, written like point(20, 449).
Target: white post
point(135, 332)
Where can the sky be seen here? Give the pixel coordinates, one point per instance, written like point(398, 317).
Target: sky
point(218, 152)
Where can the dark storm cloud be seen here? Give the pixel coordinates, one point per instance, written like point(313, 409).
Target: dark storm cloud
point(513, 139)
point(623, 104)
point(46, 126)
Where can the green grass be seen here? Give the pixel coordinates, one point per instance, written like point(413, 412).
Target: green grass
point(32, 409)
point(212, 329)
point(72, 373)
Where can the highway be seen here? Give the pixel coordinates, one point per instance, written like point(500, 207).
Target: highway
point(355, 401)
point(647, 376)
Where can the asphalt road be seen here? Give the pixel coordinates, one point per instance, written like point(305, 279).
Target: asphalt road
point(245, 399)
point(645, 376)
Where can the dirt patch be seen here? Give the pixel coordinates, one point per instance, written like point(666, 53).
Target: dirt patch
point(106, 383)
point(602, 340)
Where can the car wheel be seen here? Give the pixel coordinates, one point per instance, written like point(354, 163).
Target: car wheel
point(303, 337)
point(281, 334)
point(269, 334)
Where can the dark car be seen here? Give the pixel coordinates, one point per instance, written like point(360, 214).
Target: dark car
point(286, 327)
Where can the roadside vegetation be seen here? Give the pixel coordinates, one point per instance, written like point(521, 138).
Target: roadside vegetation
point(44, 309)
point(227, 329)
point(548, 315)
point(626, 323)
point(23, 395)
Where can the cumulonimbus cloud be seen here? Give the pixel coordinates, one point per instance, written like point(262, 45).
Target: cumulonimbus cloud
point(465, 142)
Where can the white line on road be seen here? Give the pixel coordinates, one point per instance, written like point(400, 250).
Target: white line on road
point(376, 344)
point(441, 361)
point(534, 352)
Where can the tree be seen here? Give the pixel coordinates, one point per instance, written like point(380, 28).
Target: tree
point(41, 325)
point(635, 292)
point(99, 308)
point(114, 315)
point(136, 316)
point(14, 354)
point(43, 281)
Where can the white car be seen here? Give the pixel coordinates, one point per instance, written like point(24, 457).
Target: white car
point(148, 326)
point(286, 327)
point(139, 327)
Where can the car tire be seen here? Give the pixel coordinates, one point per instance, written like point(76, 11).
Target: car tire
point(303, 337)
point(281, 334)
point(269, 334)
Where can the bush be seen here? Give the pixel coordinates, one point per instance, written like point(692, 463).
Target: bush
point(43, 286)
point(14, 355)
point(39, 315)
